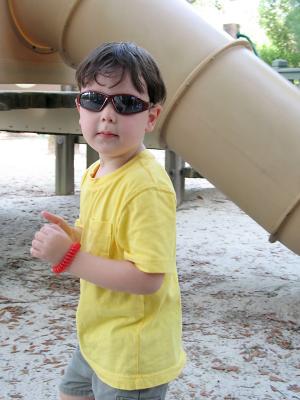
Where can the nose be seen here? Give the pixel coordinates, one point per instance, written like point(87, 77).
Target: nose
point(108, 113)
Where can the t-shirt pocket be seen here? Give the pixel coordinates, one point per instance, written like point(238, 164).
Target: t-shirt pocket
point(97, 237)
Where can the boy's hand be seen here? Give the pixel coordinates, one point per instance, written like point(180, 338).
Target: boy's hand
point(50, 244)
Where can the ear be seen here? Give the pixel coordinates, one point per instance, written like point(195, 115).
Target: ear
point(78, 109)
point(153, 115)
point(77, 105)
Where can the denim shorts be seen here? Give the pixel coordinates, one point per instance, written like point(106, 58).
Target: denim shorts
point(81, 380)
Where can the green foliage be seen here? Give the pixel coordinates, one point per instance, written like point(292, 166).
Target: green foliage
point(218, 4)
point(271, 53)
point(281, 21)
point(293, 21)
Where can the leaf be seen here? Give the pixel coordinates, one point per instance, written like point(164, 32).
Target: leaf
point(276, 378)
point(14, 349)
point(294, 388)
point(274, 389)
point(226, 368)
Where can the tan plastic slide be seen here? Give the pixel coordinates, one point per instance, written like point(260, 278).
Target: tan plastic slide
point(228, 114)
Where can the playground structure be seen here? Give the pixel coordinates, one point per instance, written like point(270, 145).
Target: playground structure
point(229, 115)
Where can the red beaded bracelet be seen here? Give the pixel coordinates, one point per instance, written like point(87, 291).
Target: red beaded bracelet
point(67, 260)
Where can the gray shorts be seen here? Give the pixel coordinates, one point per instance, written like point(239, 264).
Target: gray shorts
point(81, 380)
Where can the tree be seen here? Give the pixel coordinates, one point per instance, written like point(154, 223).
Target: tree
point(293, 21)
point(218, 4)
point(281, 21)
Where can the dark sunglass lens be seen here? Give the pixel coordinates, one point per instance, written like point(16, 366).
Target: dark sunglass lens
point(92, 101)
point(126, 104)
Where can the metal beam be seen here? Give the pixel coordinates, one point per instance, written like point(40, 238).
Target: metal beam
point(16, 100)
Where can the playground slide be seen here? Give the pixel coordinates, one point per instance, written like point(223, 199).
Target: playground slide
point(228, 114)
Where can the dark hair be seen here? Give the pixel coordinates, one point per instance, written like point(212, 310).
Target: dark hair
point(126, 57)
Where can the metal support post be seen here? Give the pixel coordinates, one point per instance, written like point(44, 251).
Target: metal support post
point(175, 168)
point(91, 156)
point(64, 165)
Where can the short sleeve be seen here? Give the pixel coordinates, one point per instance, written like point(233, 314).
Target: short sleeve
point(147, 231)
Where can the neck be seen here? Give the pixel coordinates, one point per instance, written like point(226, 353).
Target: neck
point(111, 164)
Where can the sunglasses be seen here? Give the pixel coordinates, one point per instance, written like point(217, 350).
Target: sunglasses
point(124, 104)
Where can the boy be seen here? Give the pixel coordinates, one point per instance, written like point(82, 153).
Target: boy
point(123, 245)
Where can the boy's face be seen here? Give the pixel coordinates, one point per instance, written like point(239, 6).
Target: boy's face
point(112, 135)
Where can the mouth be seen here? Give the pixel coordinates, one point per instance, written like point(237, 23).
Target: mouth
point(106, 134)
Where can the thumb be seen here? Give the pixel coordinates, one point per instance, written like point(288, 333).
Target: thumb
point(54, 219)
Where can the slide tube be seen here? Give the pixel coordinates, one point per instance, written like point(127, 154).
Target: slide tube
point(228, 114)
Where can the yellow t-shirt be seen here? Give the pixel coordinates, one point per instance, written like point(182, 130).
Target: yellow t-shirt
point(131, 341)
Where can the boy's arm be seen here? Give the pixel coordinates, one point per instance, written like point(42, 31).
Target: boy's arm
point(122, 276)
point(51, 244)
